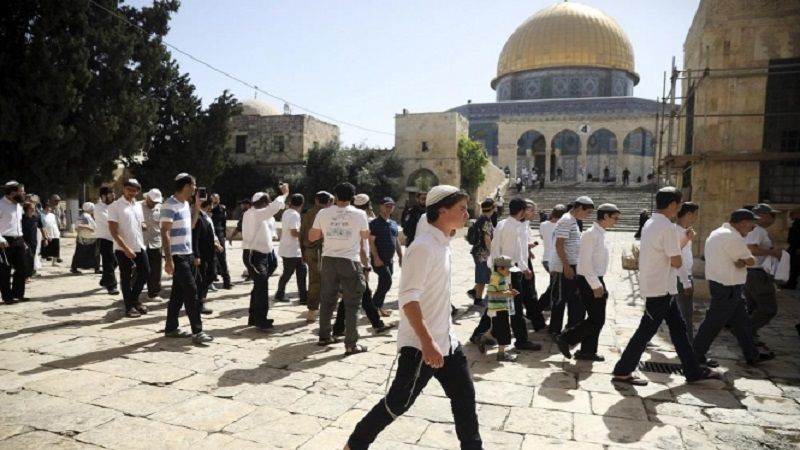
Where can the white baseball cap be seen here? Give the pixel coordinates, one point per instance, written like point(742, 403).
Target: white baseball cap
point(154, 195)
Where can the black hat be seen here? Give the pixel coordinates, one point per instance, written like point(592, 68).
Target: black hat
point(742, 214)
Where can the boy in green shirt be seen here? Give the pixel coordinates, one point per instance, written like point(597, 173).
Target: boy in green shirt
point(500, 308)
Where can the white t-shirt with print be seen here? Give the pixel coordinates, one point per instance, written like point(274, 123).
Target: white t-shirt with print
point(341, 228)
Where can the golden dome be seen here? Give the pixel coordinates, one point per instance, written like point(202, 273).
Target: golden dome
point(566, 35)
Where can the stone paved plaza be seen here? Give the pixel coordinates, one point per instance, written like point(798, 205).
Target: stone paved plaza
point(74, 373)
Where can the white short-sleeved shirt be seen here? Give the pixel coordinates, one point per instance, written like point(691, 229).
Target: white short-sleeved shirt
point(567, 229)
point(426, 278)
point(51, 226)
point(593, 258)
point(341, 229)
point(10, 218)
point(128, 216)
point(685, 271)
point(659, 243)
point(179, 215)
point(508, 241)
point(547, 229)
point(258, 226)
point(290, 245)
point(724, 246)
point(760, 238)
point(101, 218)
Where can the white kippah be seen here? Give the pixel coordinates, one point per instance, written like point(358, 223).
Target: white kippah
point(11, 184)
point(257, 196)
point(438, 193)
point(584, 200)
point(181, 175)
point(361, 199)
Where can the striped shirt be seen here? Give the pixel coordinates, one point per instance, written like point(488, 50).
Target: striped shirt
point(180, 216)
point(498, 284)
point(567, 229)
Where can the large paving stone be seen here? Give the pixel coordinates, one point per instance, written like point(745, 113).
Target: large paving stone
point(45, 412)
point(319, 405)
point(140, 370)
point(143, 400)
point(555, 424)
point(562, 400)
point(614, 431)
point(536, 442)
point(505, 394)
point(776, 405)
point(81, 385)
point(204, 412)
point(37, 440)
point(136, 433)
point(618, 406)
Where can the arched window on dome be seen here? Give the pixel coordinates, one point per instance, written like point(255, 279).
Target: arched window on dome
point(601, 155)
point(639, 142)
point(531, 147)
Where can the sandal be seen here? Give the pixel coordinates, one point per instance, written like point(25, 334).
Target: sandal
point(355, 349)
point(630, 379)
point(324, 342)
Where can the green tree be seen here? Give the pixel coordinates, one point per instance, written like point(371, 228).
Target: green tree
point(472, 158)
point(75, 85)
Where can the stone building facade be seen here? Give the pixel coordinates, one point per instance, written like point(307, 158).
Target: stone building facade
point(738, 141)
point(269, 139)
point(428, 145)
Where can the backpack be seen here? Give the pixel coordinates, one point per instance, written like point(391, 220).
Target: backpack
point(473, 234)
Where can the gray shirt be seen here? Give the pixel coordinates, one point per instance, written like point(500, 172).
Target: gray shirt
point(152, 234)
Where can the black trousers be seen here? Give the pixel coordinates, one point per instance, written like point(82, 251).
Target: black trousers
point(566, 296)
point(222, 258)
point(518, 324)
point(384, 274)
point(293, 266)
point(204, 276)
point(154, 278)
point(258, 268)
point(727, 307)
point(370, 310)
point(501, 330)
point(133, 274)
point(109, 278)
point(13, 257)
point(533, 311)
point(184, 293)
point(411, 378)
point(587, 331)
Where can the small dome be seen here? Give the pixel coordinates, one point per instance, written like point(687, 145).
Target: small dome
point(258, 108)
point(566, 34)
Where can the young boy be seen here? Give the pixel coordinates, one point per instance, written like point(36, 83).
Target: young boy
point(500, 308)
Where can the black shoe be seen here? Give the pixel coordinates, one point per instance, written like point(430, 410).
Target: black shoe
point(206, 310)
point(528, 345)
point(75, 271)
point(177, 333)
point(712, 363)
point(302, 301)
point(113, 291)
point(383, 328)
point(22, 299)
point(227, 286)
point(132, 313)
point(761, 358)
point(563, 347)
point(141, 308)
point(589, 357)
point(471, 294)
point(337, 334)
point(10, 301)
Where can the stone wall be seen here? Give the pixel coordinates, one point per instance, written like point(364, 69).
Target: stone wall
point(725, 35)
point(430, 141)
point(495, 178)
point(299, 133)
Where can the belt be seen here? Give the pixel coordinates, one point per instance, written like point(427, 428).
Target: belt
point(12, 238)
point(756, 268)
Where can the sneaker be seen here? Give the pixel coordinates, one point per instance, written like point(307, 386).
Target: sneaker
point(482, 345)
point(177, 333)
point(712, 363)
point(141, 308)
point(563, 347)
point(589, 357)
point(761, 358)
point(506, 357)
point(201, 338)
point(132, 313)
point(528, 345)
point(471, 294)
point(383, 328)
point(212, 288)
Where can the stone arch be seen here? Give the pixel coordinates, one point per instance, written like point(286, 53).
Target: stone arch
point(421, 180)
point(638, 149)
point(601, 152)
point(566, 146)
point(531, 150)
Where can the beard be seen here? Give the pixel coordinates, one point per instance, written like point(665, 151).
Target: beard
point(19, 198)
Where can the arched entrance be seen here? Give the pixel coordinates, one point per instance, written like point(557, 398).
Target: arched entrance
point(567, 145)
point(638, 151)
point(601, 153)
point(421, 180)
point(531, 148)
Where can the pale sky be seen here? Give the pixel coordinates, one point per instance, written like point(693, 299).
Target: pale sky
point(364, 61)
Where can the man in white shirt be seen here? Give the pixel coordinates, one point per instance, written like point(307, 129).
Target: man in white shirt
point(687, 216)
point(659, 257)
point(344, 256)
point(109, 278)
point(592, 266)
point(529, 300)
point(289, 250)
point(151, 211)
point(12, 245)
point(508, 240)
point(727, 256)
point(565, 261)
point(125, 225)
point(547, 231)
point(257, 238)
point(760, 287)
point(426, 340)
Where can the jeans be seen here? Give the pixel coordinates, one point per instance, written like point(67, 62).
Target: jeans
point(686, 305)
point(154, 279)
point(293, 266)
point(587, 331)
point(411, 378)
point(258, 268)
point(13, 257)
point(184, 293)
point(727, 306)
point(131, 283)
point(760, 291)
point(109, 278)
point(345, 276)
point(656, 311)
point(384, 274)
point(566, 296)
